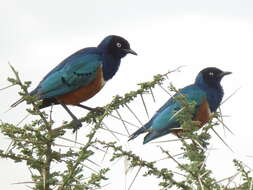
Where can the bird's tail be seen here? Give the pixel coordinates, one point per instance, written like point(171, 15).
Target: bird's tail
point(17, 103)
point(137, 133)
point(150, 136)
point(22, 99)
point(153, 135)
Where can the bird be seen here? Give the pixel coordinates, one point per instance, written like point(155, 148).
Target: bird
point(206, 92)
point(81, 75)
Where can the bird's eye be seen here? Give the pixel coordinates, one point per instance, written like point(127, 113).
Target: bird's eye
point(211, 74)
point(118, 45)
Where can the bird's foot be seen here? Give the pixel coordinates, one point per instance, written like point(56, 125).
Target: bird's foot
point(76, 125)
point(98, 110)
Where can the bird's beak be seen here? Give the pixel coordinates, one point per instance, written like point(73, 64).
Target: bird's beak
point(130, 51)
point(225, 73)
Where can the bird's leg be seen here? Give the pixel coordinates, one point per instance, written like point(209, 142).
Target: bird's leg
point(85, 107)
point(97, 110)
point(76, 122)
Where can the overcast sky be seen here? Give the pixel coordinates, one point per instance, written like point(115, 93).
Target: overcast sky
point(37, 35)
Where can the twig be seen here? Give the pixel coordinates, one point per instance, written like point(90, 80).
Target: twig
point(122, 122)
point(134, 178)
point(221, 139)
point(134, 114)
point(129, 123)
point(165, 90)
point(231, 95)
point(145, 107)
point(7, 87)
point(151, 91)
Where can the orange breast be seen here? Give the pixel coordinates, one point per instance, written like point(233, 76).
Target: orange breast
point(203, 116)
point(84, 93)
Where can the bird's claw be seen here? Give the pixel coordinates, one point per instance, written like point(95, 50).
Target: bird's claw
point(98, 110)
point(76, 125)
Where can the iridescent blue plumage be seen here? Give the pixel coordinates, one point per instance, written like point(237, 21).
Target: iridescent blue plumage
point(206, 89)
point(81, 75)
point(74, 72)
point(80, 68)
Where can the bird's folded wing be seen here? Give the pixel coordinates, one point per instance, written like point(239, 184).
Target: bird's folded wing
point(165, 118)
point(75, 72)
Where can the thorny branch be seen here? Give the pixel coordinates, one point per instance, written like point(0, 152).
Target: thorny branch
point(33, 143)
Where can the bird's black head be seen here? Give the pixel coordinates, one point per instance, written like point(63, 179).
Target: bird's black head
point(211, 76)
point(116, 46)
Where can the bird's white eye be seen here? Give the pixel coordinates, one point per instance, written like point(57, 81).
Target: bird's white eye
point(118, 45)
point(211, 74)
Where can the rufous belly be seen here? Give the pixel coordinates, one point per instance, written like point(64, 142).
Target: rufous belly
point(84, 93)
point(203, 115)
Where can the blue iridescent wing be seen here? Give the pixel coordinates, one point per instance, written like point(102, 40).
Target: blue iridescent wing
point(74, 72)
point(164, 118)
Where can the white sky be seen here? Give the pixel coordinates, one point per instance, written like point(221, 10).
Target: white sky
point(35, 36)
